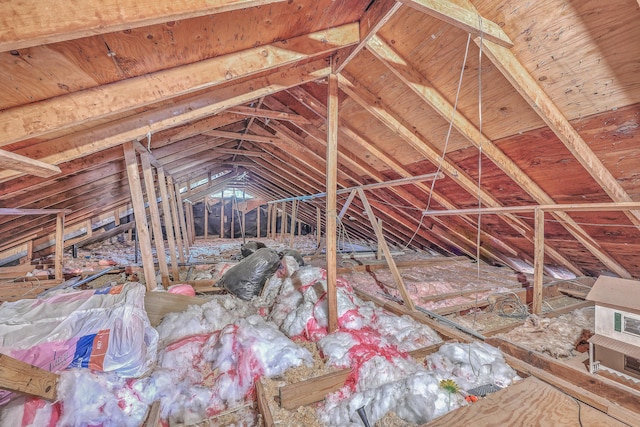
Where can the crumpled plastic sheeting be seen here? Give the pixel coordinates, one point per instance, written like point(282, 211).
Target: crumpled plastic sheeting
point(197, 376)
point(85, 398)
point(413, 391)
point(196, 319)
point(300, 311)
point(554, 336)
point(201, 375)
point(416, 399)
point(471, 365)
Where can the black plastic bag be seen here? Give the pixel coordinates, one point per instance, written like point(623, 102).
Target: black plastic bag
point(293, 253)
point(250, 247)
point(247, 278)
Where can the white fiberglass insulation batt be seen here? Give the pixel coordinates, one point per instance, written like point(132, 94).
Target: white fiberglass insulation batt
point(212, 354)
point(105, 330)
point(300, 311)
point(196, 376)
point(412, 390)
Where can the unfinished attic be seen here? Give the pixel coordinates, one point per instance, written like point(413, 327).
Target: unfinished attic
point(319, 213)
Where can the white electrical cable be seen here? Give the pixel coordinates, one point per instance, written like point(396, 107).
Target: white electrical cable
point(446, 142)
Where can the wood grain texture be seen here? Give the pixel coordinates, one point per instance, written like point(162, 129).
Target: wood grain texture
point(157, 304)
point(32, 25)
point(526, 403)
point(16, 375)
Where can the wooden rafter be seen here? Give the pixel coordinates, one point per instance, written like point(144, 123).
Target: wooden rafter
point(270, 114)
point(465, 19)
point(213, 187)
point(16, 162)
point(526, 86)
point(29, 23)
point(378, 110)
point(371, 21)
point(362, 169)
point(243, 136)
point(422, 87)
point(36, 119)
point(356, 138)
point(199, 107)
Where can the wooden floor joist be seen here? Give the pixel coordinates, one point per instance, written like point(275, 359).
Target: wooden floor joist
point(605, 389)
point(316, 389)
point(22, 377)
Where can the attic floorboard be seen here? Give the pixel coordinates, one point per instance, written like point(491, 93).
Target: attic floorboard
point(529, 402)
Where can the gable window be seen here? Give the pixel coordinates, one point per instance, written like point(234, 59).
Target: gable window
point(632, 364)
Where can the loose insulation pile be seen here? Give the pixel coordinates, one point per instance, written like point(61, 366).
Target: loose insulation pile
point(554, 336)
point(209, 357)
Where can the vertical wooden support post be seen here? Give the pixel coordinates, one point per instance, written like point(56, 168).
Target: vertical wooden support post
point(538, 261)
point(269, 209)
point(299, 228)
point(152, 197)
point(397, 278)
point(206, 218)
point(318, 225)
point(283, 228)
point(142, 228)
point(59, 249)
point(258, 222)
point(168, 223)
point(29, 251)
point(294, 213)
point(234, 208)
point(182, 218)
point(191, 224)
point(274, 222)
point(222, 214)
point(379, 251)
point(89, 226)
point(331, 214)
point(173, 203)
point(244, 222)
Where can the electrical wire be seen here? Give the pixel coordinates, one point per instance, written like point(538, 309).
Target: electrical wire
point(446, 141)
point(479, 230)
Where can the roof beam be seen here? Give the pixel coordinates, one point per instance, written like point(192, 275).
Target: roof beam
point(80, 107)
point(137, 127)
point(314, 105)
point(368, 101)
point(371, 21)
point(422, 87)
point(243, 136)
point(32, 23)
point(542, 104)
point(352, 163)
point(16, 162)
point(268, 114)
point(468, 20)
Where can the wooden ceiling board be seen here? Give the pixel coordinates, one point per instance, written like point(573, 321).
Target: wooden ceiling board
point(608, 227)
point(405, 104)
point(507, 191)
point(377, 134)
point(585, 54)
point(613, 137)
point(580, 256)
point(549, 164)
point(38, 73)
point(46, 71)
point(627, 254)
point(436, 50)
